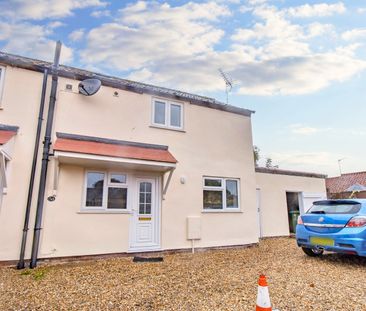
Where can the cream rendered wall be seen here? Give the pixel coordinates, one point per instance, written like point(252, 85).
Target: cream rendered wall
point(214, 143)
point(20, 106)
point(67, 232)
point(273, 205)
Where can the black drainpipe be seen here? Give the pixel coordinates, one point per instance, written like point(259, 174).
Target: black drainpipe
point(21, 264)
point(46, 153)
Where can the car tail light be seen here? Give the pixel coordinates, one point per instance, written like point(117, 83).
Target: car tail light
point(357, 221)
point(299, 221)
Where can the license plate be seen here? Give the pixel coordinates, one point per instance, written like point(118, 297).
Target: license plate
point(321, 241)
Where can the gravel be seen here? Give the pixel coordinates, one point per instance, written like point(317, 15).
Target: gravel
point(212, 280)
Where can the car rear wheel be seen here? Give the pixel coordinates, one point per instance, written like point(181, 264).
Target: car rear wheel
point(313, 252)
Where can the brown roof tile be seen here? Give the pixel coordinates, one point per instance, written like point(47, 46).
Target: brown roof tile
point(341, 183)
point(5, 136)
point(117, 149)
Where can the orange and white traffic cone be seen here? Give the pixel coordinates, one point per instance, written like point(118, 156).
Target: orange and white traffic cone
point(263, 301)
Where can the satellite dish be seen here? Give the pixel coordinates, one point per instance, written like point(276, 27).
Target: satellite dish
point(89, 87)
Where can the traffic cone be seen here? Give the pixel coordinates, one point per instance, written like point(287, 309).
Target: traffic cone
point(263, 301)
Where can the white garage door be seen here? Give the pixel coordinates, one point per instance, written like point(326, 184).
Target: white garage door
point(307, 199)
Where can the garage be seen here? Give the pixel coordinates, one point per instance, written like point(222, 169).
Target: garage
point(282, 196)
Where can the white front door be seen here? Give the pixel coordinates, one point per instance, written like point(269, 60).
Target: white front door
point(145, 228)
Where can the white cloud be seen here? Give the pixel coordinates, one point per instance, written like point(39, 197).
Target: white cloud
point(77, 34)
point(306, 130)
point(317, 10)
point(256, 2)
point(228, 1)
point(318, 29)
point(143, 13)
point(297, 75)
point(361, 10)
point(154, 42)
point(274, 26)
point(354, 34)
point(101, 13)
point(32, 41)
point(41, 9)
point(150, 33)
point(284, 63)
point(317, 161)
point(245, 9)
point(55, 24)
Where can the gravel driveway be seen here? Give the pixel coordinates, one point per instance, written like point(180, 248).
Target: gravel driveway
point(213, 280)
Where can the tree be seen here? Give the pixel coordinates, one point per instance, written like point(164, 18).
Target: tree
point(257, 156)
point(269, 163)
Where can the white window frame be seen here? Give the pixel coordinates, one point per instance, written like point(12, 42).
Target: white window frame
point(4, 170)
point(2, 78)
point(221, 188)
point(168, 105)
point(106, 184)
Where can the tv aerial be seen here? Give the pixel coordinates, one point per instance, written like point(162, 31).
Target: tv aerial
point(89, 87)
point(228, 84)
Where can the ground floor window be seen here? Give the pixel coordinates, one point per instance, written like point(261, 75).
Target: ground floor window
point(105, 191)
point(220, 193)
point(4, 164)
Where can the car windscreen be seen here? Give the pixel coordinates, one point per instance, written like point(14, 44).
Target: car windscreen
point(335, 208)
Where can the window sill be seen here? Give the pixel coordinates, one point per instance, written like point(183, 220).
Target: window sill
point(93, 211)
point(167, 128)
point(221, 211)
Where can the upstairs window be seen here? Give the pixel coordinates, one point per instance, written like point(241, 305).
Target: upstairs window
point(167, 114)
point(2, 76)
point(220, 194)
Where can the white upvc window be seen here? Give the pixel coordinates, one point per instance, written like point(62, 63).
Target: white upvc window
point(221, 194)
point(105, 191)
point(168, 114)
point(3, 179)
point(4, 171)
point(2, 78)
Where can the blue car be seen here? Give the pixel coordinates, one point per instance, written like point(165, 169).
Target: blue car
point(333, 225)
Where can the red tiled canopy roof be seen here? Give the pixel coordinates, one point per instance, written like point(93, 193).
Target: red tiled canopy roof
point(6, 133)
point(343, 182)
point(5, 136)
point(112, 148)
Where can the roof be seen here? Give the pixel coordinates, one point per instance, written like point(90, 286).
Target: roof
point(287, 172)
point(124, 84)
point(112, 148)
point(342, 183)
point(7, 132)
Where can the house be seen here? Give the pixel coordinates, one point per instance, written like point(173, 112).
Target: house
point(129, 166)
point(347, 185)
point(132, 168)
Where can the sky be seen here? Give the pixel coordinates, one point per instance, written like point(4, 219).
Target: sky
point(300, 65)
